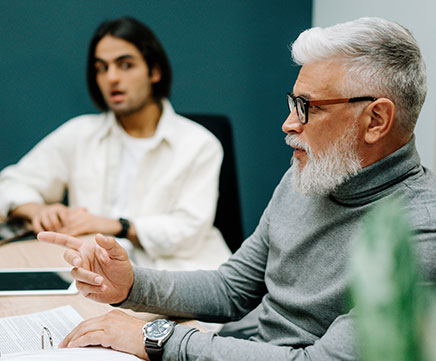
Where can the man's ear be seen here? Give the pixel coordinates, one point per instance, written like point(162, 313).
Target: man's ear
point(379, 121)
point(156, 74)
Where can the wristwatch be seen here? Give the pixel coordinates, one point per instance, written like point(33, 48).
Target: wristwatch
point(156, 333)
point(125, 225)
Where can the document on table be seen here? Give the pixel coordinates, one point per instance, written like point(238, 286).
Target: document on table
point(23, 333)
point(20, 338)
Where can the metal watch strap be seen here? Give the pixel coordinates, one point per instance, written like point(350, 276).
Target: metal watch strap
point(125, 225)
point(154, 351)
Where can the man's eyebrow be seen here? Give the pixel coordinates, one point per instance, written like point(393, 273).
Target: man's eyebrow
point(121, 57)
point(304, 95)
point(98, 60)
point(124, 57)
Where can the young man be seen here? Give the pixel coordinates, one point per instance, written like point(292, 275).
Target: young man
point(352, 113)
point(137, 171)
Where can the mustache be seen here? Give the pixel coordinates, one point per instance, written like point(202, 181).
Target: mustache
point(293, 141)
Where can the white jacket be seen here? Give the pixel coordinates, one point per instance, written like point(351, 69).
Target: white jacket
point(172, 202)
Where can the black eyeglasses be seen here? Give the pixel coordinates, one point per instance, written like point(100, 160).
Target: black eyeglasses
point(302, 104)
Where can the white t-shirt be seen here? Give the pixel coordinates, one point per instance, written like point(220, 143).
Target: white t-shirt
point(132, 153)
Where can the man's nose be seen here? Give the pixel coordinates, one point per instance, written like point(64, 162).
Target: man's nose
point(292, 123)
point(112, 74)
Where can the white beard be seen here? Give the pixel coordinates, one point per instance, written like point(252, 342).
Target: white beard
point(328, 169)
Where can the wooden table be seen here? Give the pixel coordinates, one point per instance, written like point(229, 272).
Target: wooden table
point(28, 254)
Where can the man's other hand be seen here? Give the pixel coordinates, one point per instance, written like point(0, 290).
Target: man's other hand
point(115, 329)
point(44, 217)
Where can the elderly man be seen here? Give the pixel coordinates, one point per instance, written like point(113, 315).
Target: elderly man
point(352, 113)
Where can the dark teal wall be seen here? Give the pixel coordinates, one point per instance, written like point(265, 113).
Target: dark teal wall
point(228, 57)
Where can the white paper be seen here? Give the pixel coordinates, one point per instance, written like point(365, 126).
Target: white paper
point(23, 333)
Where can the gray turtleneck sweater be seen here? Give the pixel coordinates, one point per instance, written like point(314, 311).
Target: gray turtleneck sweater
point(295, 263)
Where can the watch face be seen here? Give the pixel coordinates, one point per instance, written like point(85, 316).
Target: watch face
point(157, 329)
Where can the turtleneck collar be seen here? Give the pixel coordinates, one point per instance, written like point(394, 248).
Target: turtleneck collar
point(371, 182)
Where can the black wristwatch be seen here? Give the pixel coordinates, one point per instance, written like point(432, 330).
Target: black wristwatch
point(156, 333)
point(125, 225)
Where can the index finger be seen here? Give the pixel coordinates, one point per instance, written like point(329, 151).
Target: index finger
point(60, 239)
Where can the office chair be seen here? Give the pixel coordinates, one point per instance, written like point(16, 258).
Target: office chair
point(228, 214)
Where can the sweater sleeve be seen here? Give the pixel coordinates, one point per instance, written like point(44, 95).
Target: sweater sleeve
point(188, 344)
point(222, 295)
point(209, 304)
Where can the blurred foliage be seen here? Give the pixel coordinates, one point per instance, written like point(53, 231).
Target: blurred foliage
point(395, 315)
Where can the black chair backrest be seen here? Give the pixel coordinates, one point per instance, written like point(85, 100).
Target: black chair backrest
point(228, 215)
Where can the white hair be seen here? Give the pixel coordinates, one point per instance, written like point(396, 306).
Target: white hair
point(381, 57)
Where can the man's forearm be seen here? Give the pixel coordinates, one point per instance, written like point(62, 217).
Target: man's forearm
point(114, 227)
